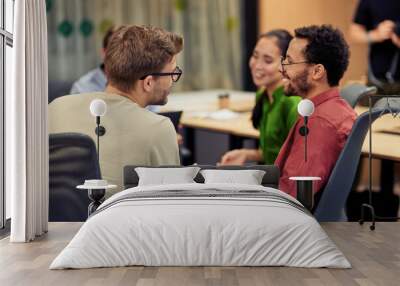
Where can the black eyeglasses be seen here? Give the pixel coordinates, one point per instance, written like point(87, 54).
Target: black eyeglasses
point(283, 64)
point(175, 75)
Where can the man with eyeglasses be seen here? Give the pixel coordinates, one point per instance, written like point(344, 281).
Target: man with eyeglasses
point(315, 62)
point(140, 65)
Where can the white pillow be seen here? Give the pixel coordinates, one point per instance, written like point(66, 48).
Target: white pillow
point(248, 177)
point(166, 176)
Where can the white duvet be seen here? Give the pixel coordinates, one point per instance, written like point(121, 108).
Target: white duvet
point(188, 231)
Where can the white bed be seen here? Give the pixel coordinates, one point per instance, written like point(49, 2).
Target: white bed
point(203, 225)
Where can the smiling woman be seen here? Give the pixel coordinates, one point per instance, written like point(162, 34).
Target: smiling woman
point(275, 112)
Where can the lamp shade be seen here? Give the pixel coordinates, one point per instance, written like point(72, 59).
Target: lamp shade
point(98, 107)
point(305, 107)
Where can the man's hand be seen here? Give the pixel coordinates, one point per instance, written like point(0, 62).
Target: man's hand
point(382, 32)
point(396, 40)
point(234, 157)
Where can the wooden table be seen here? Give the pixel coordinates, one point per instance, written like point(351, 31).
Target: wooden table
point(197, 104)
point(375, 258)
point(385, 137)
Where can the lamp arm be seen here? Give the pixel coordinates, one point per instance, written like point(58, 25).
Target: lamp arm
point(98, 141)
point(305, 137)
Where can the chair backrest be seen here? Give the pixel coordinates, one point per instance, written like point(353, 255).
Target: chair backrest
point(333, 199)
point(185, 154)
point(58, 88)
point(72, 160)
point(352, 93)
point(174, 116)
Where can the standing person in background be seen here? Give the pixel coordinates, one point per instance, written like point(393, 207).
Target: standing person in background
point(377, 23)
point(94, 80)
point(274, 113)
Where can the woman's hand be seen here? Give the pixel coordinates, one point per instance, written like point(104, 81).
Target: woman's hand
point(234, 157)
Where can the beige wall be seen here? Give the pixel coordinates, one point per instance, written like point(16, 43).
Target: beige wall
point(290, 14)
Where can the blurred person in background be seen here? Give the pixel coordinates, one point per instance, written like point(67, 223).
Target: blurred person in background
point(377, 23)
point(94, 80)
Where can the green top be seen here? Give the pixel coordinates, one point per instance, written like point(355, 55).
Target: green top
point(276, 121)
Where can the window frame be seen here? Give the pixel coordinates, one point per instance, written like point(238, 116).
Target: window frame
point(6, 39)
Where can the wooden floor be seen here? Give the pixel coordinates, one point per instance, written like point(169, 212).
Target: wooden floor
point(375, 257)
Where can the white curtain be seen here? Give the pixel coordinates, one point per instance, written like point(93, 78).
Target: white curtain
point(26, 124)
point(212, 32)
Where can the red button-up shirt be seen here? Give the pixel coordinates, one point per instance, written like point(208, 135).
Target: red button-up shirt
point(329, 127)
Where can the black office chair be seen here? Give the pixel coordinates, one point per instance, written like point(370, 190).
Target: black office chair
point(72, 160)
point(352, 93)
point(174, 116)
point(185, 153)
point(58, 88)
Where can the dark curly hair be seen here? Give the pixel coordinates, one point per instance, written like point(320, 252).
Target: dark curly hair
point(326, 46)
point(283, 39)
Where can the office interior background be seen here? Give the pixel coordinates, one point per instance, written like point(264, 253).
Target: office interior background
point(219, 37)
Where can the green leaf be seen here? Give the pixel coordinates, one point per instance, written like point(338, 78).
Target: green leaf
point(65, 28)
point(49, 5)
point(231, 23)
point(86, 27)
point(180, 5)
point(105, 25)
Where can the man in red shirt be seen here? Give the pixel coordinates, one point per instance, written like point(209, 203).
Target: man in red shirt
point(315, 61)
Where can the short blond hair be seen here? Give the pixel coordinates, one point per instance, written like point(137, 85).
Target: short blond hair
point(135, 51)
